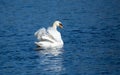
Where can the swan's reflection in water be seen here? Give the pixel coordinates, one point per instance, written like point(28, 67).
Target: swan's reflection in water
point(51, 61)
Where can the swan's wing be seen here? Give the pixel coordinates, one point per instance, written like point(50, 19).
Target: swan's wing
point(47, 38)
point(41, 32)
point(43, 35)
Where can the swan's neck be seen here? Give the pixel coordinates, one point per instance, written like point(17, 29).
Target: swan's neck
point(54, 26)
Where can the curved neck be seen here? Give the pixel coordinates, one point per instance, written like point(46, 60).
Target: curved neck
point(54, 26)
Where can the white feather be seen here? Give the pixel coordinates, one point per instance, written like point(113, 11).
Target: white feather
point(49, 38)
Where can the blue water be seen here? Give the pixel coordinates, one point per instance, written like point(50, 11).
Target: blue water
point(91, 37)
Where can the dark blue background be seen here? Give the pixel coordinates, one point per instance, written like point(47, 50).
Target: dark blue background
point(91, 35)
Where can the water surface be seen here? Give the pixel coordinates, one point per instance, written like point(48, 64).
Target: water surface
point(91, 37)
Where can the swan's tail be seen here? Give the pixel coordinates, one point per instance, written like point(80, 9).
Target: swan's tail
point(37, 43)
point(43, 44)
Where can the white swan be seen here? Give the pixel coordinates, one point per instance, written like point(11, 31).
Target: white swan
point(49, 38)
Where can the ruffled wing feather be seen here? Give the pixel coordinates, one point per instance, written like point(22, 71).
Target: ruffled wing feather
point(43, 35)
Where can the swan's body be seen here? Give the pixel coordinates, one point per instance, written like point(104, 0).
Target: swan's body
point(49, 38)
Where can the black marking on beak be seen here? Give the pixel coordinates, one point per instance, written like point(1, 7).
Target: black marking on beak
point(60, 25)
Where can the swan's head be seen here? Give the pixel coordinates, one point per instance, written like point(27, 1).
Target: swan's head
point(58, 23)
